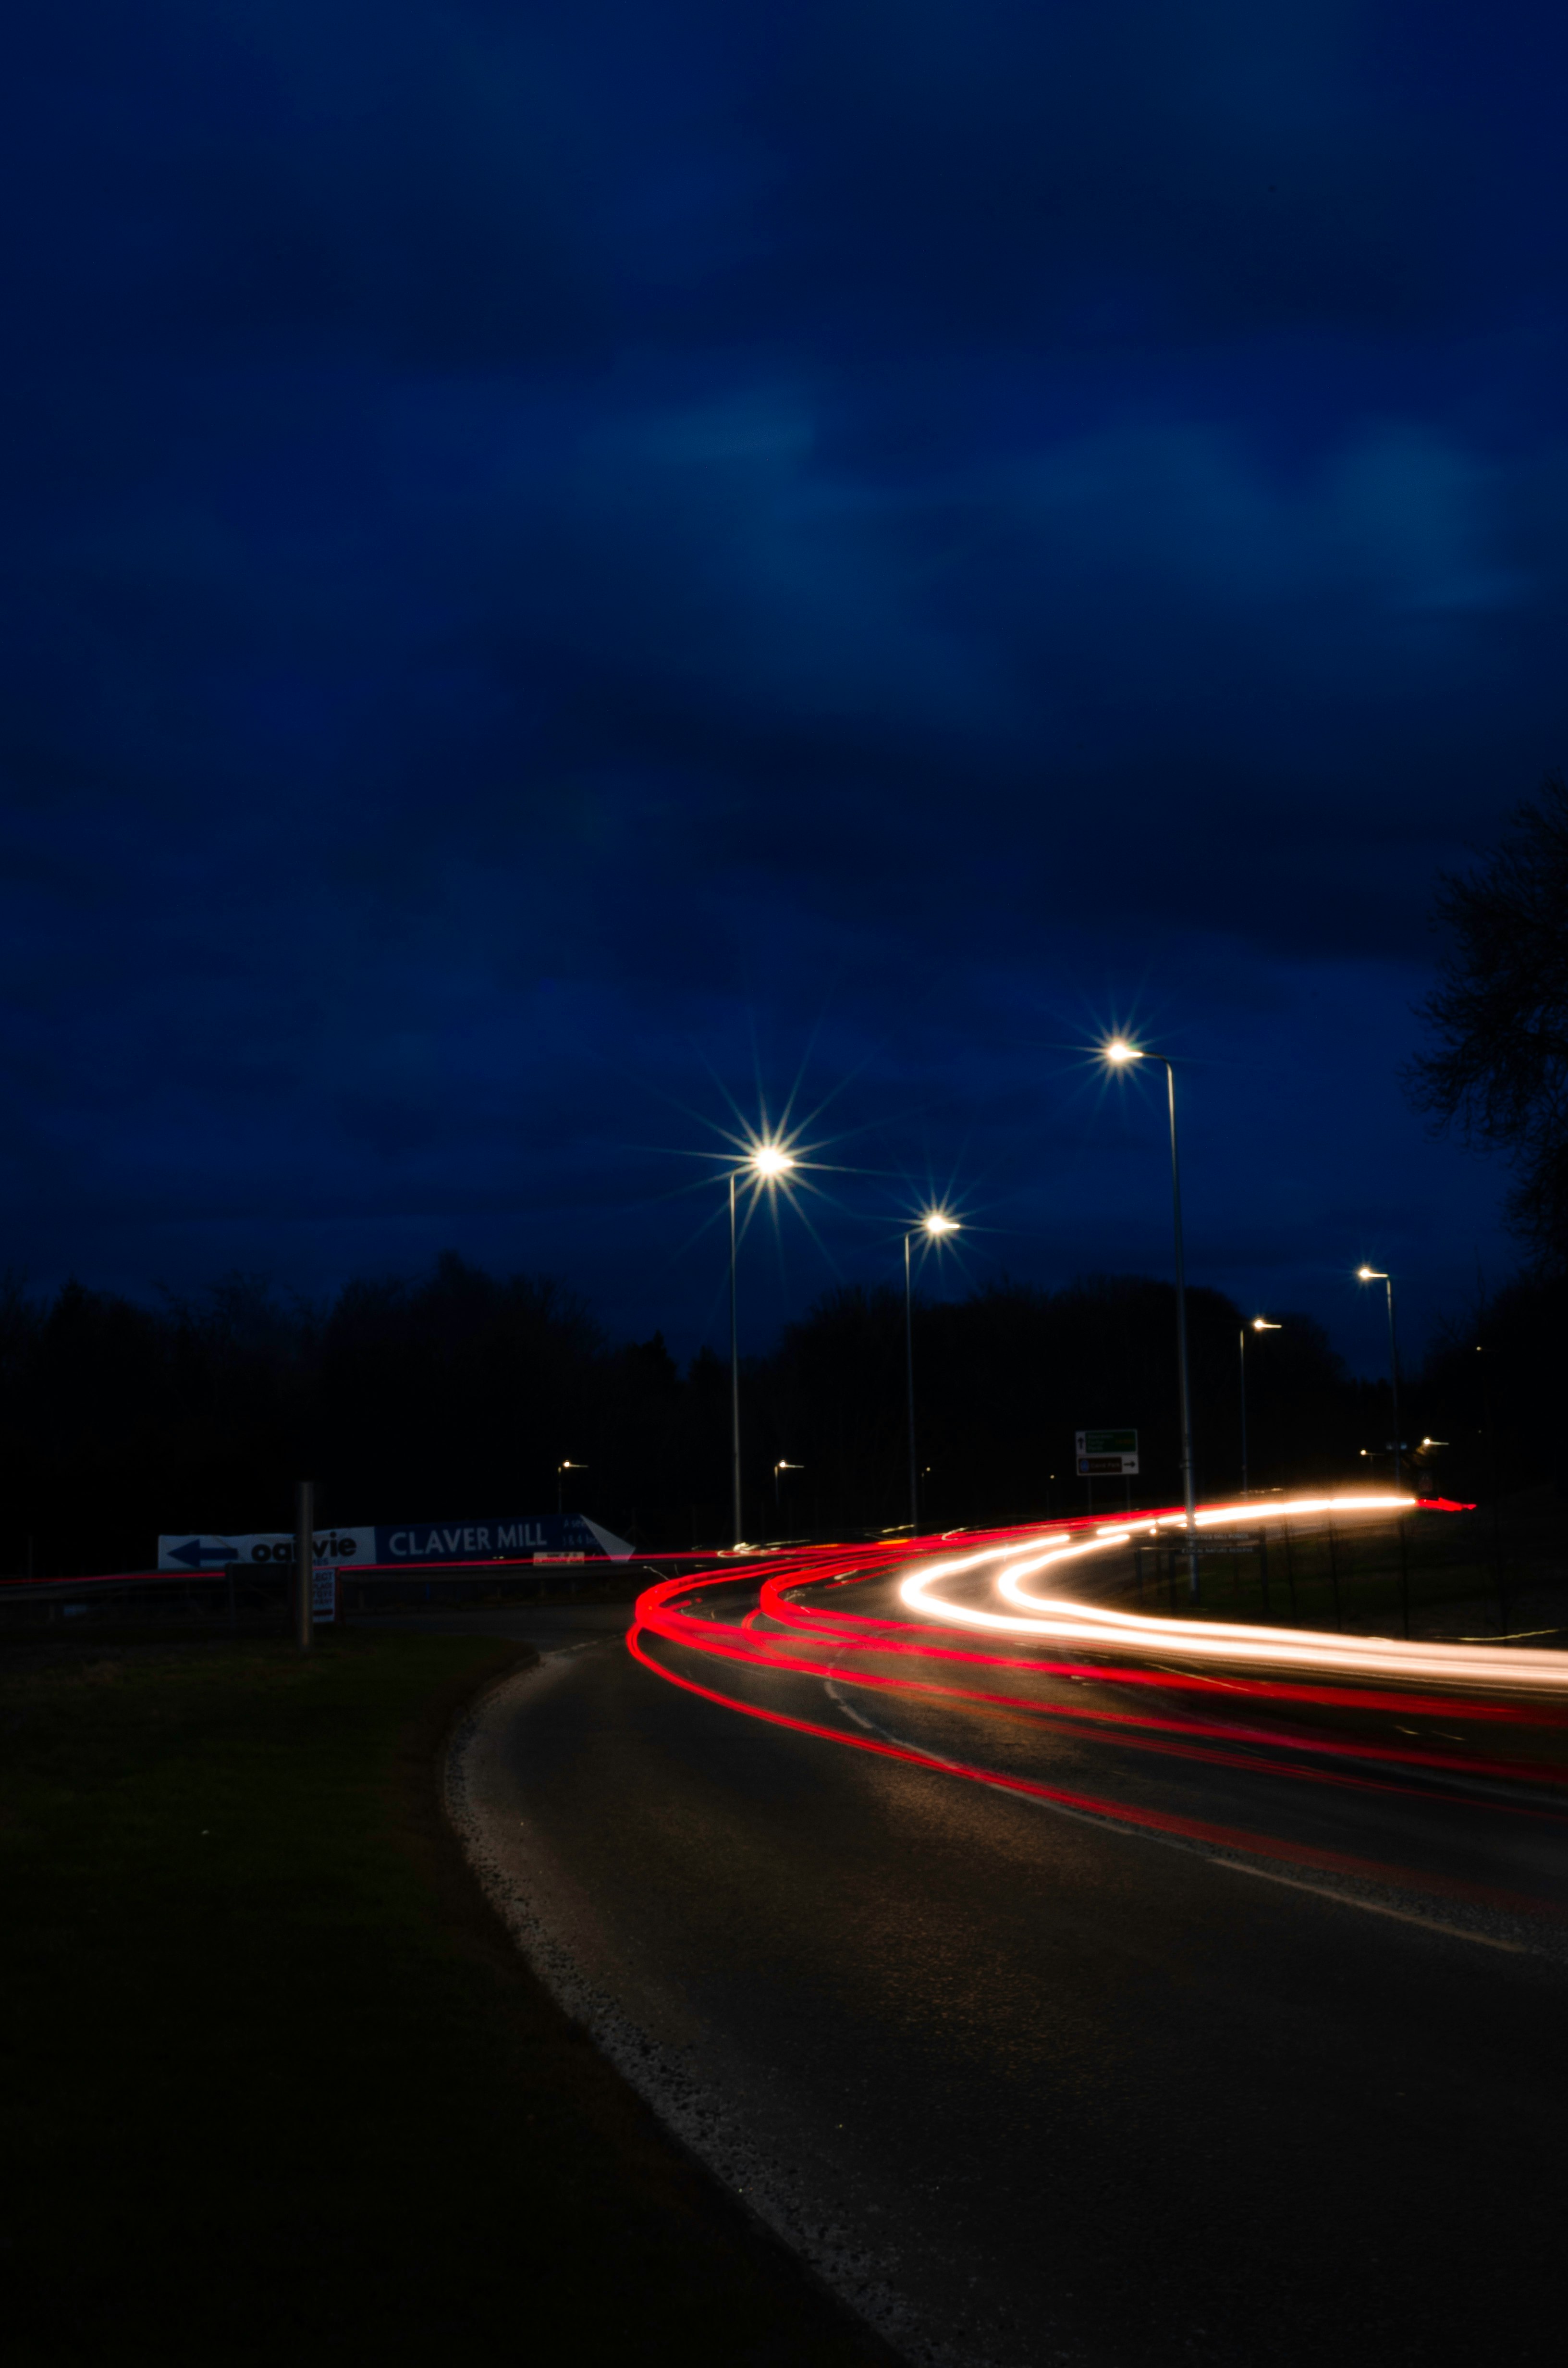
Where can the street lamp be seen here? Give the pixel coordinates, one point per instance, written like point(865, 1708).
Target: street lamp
point(778, 1471)
point(560, 1481)
point(1375, 1274)
point(932, 1225)
point(766, 1162)
point(1119, 1051)
point(1259, 1323)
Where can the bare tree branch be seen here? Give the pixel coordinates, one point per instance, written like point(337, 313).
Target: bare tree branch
point(1499, 1077)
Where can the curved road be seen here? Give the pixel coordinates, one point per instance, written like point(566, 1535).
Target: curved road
point(1236, 2044)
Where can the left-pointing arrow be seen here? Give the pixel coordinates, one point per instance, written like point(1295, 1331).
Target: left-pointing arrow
point(194, 1554)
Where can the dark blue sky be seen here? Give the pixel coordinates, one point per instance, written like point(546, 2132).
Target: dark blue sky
point(563, 559)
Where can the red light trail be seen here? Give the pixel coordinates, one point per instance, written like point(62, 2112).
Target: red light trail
point(947, 1620)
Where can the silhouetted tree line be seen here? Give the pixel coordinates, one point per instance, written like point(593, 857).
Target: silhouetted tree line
point(458, 1397)
point(1006, 1378)
point(1497, 1076)
point(1493, 1391)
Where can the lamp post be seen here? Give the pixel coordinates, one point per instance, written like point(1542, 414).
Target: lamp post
point(767, 1163)
point(932, 1225)
point(1259, 1323)
point(1375, 1274)
point(1119, 1051)
point(560, 1483)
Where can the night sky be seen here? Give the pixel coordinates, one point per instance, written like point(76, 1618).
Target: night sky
point(571, 566)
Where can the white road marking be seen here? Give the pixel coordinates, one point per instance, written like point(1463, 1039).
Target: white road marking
point(1104, 1824)
point(1375, 1906)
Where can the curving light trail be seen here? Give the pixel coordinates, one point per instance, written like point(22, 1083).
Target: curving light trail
point(985, 1635)
point(1062, 1621)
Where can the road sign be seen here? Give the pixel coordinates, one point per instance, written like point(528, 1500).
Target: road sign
point(1108, 1454)
point(323, 1591)
point(559, 1536)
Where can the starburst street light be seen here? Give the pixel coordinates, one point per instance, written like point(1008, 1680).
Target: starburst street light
point(770, 1159)
point(934, 1224)
point(1119, 1051)
point(767, 1161)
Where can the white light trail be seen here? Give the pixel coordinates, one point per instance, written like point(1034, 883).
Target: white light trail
point(1061, 1622)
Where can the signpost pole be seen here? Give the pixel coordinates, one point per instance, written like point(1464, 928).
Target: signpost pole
point(304, 1561)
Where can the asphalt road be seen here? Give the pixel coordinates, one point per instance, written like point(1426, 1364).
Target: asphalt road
point(1032, 2086)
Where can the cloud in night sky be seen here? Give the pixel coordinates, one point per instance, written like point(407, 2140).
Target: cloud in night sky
point(560, 557)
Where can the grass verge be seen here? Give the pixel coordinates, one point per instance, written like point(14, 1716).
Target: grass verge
point(277, 2088)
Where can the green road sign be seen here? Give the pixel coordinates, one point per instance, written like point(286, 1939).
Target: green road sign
point(1109, 1452)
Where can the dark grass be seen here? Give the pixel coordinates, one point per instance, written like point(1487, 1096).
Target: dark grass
point(275, 2086)
point(1360, 1581)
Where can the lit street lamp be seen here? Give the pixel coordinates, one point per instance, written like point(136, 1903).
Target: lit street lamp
point(1259, 1323)
point(767, 1163)
point(1119, 1051)
point(1375, 1274)
point(932, 1225)
point(560, 1481)
point(779, 1469)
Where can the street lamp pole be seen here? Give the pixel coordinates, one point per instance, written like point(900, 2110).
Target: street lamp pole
point(909, 1389)
point(932, 1225)
point(734, 1382)
point(769, 1161)
point(1118, 1051)
point(560, 1483)
point(1375, 1274)
point(1258, 1324)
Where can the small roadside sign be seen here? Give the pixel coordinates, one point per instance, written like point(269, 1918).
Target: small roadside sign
point(324, 1592)
point(1106, 1454)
